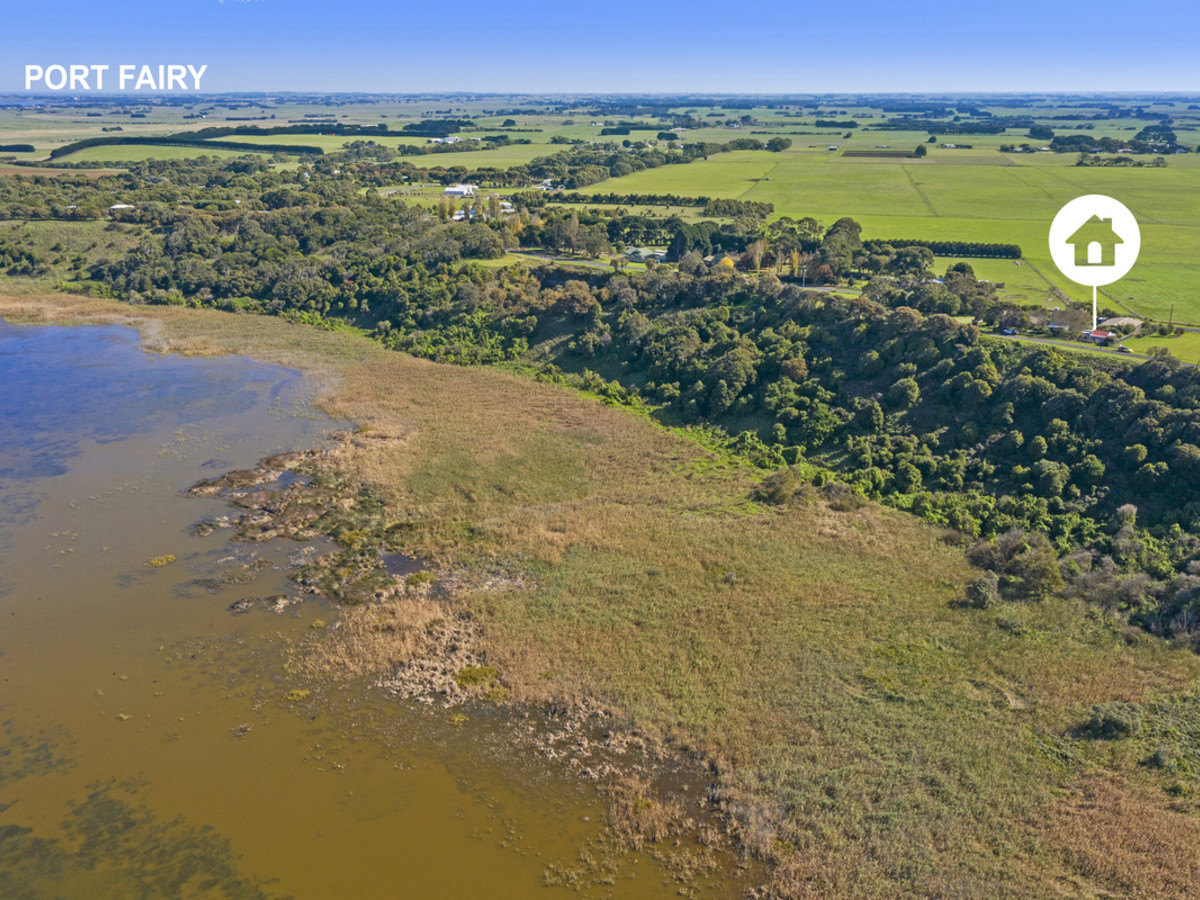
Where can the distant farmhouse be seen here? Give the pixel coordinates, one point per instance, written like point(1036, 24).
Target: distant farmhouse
point(1095, 243)
point(724, 260)
point(460, 190)
point(644, 254)
point(1126, 324)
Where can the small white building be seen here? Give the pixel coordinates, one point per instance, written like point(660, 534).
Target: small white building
point(460, 190)
point(1122, 323)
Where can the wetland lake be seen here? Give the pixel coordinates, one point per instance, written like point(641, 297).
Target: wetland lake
point(148, 743)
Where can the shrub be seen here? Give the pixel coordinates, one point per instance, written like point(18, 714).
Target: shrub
point(473, 676)
point(1036, 572)
point(1115, 720)
point(842, 497)
point(1161, 758)
point(1015, 627)
point(983, 591)
point(904, 393)
point(780, 487)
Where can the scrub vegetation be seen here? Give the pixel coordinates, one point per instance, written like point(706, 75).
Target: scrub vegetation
point(868, 732)
point(924, 601)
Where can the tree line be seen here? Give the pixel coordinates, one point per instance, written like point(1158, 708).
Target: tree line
point(977, 249)
point(182, 141)
point(1064, 473)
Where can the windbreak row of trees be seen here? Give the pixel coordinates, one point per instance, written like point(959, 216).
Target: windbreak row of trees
point(577, 167)
point(181, 141)
point(977, 249)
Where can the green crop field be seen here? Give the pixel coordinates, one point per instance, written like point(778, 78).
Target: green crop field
point(1021, 280)
point(969, 192)
point(138, 152)
point(330, 143)
point(972, 194)
point(513, 155)
point(1185, 346)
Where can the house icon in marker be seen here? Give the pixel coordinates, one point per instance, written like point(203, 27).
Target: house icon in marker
point(1094, 240)
point(1095, 243)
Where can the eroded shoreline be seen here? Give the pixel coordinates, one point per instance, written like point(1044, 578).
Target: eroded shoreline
point(820, 657)
point(412, 636)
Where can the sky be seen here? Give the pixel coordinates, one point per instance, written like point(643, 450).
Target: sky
point(650, 46)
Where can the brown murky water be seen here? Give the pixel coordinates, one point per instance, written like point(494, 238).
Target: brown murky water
point(147, 746)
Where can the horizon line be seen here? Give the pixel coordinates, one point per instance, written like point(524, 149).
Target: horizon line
point(1096, 93)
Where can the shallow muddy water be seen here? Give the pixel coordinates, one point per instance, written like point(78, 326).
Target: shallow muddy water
point(147, 744)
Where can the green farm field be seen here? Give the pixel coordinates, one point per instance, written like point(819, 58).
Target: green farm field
point(1022, 281)
point(941, 198)
point(502, 156)
point(137, 152)
point(970, 192)
point(1185, 346)
point(330, 143)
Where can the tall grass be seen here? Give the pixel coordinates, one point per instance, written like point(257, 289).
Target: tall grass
point(869, 735)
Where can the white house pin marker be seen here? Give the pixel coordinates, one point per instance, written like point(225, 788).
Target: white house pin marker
point(1094, 240)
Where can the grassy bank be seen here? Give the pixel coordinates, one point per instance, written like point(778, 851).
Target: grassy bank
point(866, 733)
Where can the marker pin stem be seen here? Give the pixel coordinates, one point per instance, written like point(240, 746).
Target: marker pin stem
point(1094, 241)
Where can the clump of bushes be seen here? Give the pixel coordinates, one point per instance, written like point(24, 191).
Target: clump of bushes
point(842, 497)
point(984, 590)
point(1025, 564)
point(1015, 627)
point(1112, 721)
point(782, 487)
point(1161, 758)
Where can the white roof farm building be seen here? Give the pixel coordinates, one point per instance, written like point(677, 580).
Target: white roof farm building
point(1122, 323)
point(460, 190)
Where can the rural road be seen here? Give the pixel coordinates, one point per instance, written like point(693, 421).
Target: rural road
point(1067, 345)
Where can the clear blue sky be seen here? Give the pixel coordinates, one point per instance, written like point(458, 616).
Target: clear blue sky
point(535, 46)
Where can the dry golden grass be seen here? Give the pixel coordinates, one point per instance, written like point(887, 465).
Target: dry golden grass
point(1118, 840)
point(639, 815)
point(874, 740)
point(372, 641)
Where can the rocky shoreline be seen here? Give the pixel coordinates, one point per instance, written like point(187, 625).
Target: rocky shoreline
point(412, 636)
point(300, 496)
